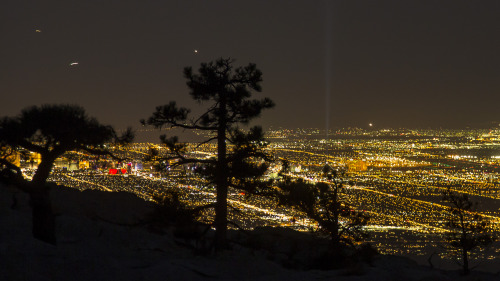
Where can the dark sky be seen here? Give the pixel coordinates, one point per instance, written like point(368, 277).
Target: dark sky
point(393, 63)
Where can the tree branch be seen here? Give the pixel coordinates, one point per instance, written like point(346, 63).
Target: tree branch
point(201, 208)
point(191, 127)
point(205, 142)
point(31, 147)
point(101, 152)
point(10, 166)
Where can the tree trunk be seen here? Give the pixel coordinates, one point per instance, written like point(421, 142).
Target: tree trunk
point(221, 182)
point(464, 243)
point(42, 216)
point(336, 212)
point(465, 257)
point(43, 171)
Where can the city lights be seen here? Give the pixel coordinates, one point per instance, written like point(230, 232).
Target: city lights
point(396, 177)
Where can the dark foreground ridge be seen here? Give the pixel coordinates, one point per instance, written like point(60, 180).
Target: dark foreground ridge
point(105, 236)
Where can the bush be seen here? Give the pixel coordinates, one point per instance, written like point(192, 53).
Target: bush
point(170, 211)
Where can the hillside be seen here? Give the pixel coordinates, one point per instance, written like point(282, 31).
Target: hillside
point(101, 236)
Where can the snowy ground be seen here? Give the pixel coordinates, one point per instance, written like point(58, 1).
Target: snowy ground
point(100, 238)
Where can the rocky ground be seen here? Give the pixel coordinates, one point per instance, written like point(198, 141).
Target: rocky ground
point(102, 236)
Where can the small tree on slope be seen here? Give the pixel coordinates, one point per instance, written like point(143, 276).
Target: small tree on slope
point(324, 203)
point(469, 230)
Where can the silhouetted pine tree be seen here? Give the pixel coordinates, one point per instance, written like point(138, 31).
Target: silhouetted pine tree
point(323, 202)
point(227, 91)
point(469, 230)
point(52, 130)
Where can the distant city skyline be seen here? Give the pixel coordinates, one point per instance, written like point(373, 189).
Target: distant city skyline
point(413, 64)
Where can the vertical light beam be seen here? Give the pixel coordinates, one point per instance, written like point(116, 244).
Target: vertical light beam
point(328, 68)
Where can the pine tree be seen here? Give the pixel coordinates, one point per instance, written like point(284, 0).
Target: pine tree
point(469, 230)
point(51, 131)
point(240, 159)
point(324, 203)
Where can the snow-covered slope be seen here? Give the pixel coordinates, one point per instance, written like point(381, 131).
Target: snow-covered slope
point(100, 237)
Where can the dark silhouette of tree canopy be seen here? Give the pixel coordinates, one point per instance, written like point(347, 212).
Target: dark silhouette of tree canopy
point(469, 230)
point(238, 163)
point(324, 203)
point(52, 130)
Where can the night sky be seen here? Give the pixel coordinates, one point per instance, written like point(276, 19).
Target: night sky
point(391, 63)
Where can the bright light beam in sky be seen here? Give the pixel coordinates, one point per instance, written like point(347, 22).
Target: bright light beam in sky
point(328, 71)
point(73, 63)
